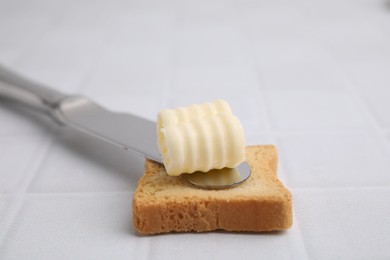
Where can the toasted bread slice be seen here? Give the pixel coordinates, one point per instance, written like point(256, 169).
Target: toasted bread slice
point(165, 203)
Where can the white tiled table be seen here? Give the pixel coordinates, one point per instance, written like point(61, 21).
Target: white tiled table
point(312, 77)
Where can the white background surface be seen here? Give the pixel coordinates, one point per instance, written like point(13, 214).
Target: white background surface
point(312, 77)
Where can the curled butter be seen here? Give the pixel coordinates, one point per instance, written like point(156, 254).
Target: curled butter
point(200, 138)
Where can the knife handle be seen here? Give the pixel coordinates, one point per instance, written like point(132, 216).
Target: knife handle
point(27, 92)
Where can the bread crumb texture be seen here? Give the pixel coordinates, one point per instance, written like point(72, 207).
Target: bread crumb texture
point(163, 203)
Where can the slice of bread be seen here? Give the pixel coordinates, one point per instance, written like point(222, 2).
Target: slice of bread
point(165, 203)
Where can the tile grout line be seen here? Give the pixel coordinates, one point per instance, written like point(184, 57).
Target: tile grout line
point(17, 198)
point(267, 121)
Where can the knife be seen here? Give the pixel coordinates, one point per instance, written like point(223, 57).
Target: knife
point(127, 131)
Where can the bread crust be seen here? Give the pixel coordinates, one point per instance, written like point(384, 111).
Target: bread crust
point(164, 203)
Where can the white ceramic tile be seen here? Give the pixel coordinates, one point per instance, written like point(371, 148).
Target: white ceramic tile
point(150, 5)
point(8, 57)
point(205, 80)
point(78, 163)
point(334, 160)
point(82, 16)
point(344, 223)
point(210, 46)
point(313, 110)
point(132, 70)
point(382, 18)
point(137, 69)
point(346, 11)
point(3, 205)
point(281, 13)
point(77, 227)
point(268, 4)
point(22, 24)
point(283, 21)
point(223, 245)
point(362, 52)
point(141, 55)
point(307, 76)
point(371, 80)
point(206, 12)
point(19, 7)
point(379, 104)
point(144, 27)
point(4, 208)
point(125, 79)
point(17, 154)
point(369, 75)
point(291, 53)
point(353, 39)
point(62, 59)
point(348, 32)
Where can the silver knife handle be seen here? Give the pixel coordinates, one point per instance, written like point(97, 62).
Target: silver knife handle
point(27, 92)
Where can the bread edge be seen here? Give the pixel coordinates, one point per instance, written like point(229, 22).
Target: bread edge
point(267, 213)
